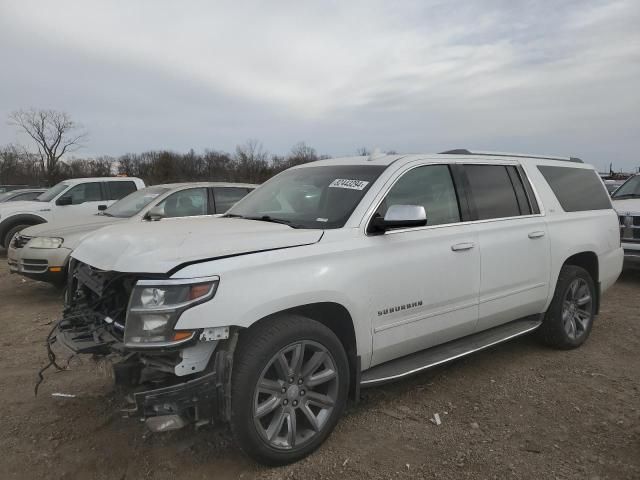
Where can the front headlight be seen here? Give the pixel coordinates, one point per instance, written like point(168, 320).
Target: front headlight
point(156, 305)
point(45, 242)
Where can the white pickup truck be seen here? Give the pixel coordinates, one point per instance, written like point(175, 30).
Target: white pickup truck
point(338, 275)
point(626, 200)
point(66, 200)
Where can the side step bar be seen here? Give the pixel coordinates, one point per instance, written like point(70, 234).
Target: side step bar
point(431, 357)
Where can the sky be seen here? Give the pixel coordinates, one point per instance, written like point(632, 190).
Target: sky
point(548, 77)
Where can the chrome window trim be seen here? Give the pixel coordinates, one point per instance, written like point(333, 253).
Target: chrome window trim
point(443, 225)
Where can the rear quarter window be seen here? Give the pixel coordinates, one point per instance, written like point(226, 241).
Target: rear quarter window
point(121, 189)
point(577, 189)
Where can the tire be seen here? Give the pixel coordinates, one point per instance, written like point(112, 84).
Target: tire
point(569, 319)
point(10, 233)
point(261, 418)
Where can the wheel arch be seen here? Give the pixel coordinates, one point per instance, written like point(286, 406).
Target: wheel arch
point(589, 261)
point(335, 317)
point(19, 219)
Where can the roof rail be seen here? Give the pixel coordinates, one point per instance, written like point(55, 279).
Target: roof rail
point(464, 151)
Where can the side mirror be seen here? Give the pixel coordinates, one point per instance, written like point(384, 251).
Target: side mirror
point(102, 208)
point(399, 216)
point(64, 200)
point(156, 213)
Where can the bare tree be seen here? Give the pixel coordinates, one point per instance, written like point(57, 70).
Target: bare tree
point(54, 134)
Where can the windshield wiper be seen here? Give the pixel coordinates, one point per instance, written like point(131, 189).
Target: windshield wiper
point(267, 218)
point(232, 215)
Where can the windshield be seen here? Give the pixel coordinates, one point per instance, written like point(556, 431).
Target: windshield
point(53, 192)
point(631, 188)
point(134, 202)
point(5, 195)
point(309, 197)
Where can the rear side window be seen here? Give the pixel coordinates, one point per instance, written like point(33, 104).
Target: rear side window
point(227, 197)
point(577, 189)
point(118, 190)
point(492, 191)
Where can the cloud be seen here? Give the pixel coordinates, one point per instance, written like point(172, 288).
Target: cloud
point(552, 76)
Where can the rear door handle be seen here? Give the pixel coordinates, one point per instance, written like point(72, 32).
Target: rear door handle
point(538, 234)
point(459, 247)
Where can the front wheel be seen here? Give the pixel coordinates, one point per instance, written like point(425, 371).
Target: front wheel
point(6, 241)
point(569, 319)
point(289, 388)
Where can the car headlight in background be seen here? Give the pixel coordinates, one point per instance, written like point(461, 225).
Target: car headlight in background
point(45, 242)
point(156, 305)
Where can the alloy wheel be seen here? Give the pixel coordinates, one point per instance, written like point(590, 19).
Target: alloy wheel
point(295, 395)
point(577, 309)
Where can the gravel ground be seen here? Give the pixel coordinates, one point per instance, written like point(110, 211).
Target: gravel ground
point(519, 410)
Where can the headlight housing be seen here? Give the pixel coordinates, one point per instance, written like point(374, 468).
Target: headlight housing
point(156, 305)
point(46, 242)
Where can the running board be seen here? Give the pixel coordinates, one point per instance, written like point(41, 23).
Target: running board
point(431, 357)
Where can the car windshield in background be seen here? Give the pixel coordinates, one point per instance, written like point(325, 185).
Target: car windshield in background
point(629, 189)
point(309, 197)
point(53, 192)
point(134, 202)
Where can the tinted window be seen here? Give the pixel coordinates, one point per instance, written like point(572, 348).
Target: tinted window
point(24, 196)
point(577, 189)
point(53, 192)
point(310, 197)
point(85, 192)
point(119, 190)
point(133, 203)
point(492, 191)
point(430, 186)
point(629, 189)
point(185, 203)
point(227, 197)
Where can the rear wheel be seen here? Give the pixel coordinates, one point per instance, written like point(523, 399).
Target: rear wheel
point(11, 233)
point(569, 319)
point(289, 388)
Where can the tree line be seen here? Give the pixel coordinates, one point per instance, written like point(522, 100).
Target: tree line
point(55, 136)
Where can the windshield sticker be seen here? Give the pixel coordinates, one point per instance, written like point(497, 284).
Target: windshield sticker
point(350, 184)
point(324, 220)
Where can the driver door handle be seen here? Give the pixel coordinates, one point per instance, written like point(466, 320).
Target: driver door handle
point(459, 247)
point(538, 234)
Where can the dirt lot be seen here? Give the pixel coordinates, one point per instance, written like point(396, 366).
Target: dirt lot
point(517, 411)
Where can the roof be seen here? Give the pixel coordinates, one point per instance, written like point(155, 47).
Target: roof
point(444, 157)
point(73, 181)
point(204, 184)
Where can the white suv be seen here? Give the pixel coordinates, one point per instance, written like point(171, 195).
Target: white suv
point(338, 275)
point(626, 200)
point(71, 199)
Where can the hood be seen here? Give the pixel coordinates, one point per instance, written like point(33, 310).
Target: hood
point(627, 206)
point(64, 229)
point(157, 247)
point(22, 206)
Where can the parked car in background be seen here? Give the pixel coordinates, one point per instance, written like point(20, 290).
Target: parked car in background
point(68, 200)
point(42, 252)
point(626, 201)
point(612, 185)
point(10, 188)
point(21, 194)
point(338, 275)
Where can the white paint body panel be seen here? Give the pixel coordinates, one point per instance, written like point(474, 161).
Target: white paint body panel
point(266, 268)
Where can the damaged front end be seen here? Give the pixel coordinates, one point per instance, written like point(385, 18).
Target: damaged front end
point(170, 377)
